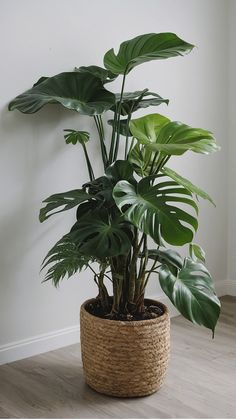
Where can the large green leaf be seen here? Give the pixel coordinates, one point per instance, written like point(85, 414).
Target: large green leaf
point(104, 75)
point(141, 159)
point(100, 235)
point(81, 92)
point(192, 293)
point(176, 138)
point(123, 127)
point(120, 170)
point(64, 259)
point(143, 48)
point(186, 183)
point(149, 206)
point(132, 101)
point(147, 128)
point(167, 256)
point(65, 201)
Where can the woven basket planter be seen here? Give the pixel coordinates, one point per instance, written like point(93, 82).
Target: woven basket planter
point(125, 359)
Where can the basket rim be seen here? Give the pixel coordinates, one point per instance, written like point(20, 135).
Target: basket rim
point(147, 322)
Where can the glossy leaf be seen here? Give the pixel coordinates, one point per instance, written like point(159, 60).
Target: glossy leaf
point(124, 128)
point(147, 128)
point(65, 201)
point(192, 293)
point(186, 183)
point(131, 102)
point(141, 159)
point(101, 236)
point(120, 170)
point(197, 253)
point(143, 48)
point(75, 137)
point(149, 206)
point(166, 256)
point(104, 75)
point(81, 92)
point(176, 138)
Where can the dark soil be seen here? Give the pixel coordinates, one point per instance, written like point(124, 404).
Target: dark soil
point(150, 311)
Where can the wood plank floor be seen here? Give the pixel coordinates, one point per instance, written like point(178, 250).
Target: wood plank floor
point(201, 381)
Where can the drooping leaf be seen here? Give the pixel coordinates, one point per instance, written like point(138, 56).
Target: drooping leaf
point(75, 137)
point(101, 236)
point(81, 92)
point(143, 48)
point(65, 201)
point(149, 206)
point(104, 75)
point(166, 256)
point(176, 138)
point(186, 183)
point(124, 127)
point(64, 259)
point(146, 129)
point(192, 293)
point(197, 253)
point(131, 101)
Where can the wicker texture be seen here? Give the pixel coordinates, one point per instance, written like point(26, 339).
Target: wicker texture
point(125, 359)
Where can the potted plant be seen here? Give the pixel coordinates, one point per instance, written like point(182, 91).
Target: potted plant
point(126, 216)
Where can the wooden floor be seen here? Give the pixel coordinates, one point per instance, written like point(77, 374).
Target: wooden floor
point(201, 381)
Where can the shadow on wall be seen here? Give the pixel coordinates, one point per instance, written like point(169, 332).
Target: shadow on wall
point(29, 143)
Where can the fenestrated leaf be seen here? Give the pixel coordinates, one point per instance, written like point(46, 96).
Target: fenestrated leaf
point(104, 75)
point(146, 129)
point(192, 293)
point(186, 183)
point(81, 92)
point(149, 206)
point(75, 137)
point(64, 259)
point(143, 48)
point(124, 127)
point(65, 201)
point(176, 138)
point(131, 102)
point(100, 235)
point(196, 253)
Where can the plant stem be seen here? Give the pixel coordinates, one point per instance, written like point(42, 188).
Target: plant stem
point(101, 138)
point(89, 166)
point(118, 120)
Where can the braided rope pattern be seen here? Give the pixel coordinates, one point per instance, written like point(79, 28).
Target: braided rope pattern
point(125, 359)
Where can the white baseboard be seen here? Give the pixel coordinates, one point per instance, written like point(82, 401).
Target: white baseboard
point(57, 339)
point(38, 344)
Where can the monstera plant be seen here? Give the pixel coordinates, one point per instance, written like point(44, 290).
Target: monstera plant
point(128, 214)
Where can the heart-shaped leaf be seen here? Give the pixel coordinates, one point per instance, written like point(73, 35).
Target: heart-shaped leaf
point(104, 75)
point(192, 293)
point(149, 207)
point(147, 128)
point(143, 48)
point(81, 92)
point(131, 102)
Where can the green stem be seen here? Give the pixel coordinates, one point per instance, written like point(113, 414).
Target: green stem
point(118, 120)
point(111, 152)
point(89, 166)
point(103, 147)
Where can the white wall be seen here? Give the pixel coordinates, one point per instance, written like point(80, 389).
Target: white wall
point(232, 146)
point(35, 162)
